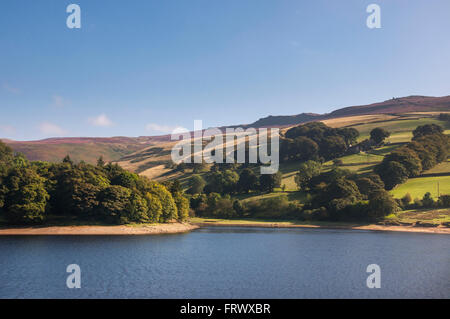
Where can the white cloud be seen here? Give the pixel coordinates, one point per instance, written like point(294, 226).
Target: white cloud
point(162, 128)
point(51, 129)
point(7, 129)
point(11, 89)
point(101, 120)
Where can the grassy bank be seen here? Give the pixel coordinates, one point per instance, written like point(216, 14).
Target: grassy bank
point(419, 228)
point(417, 187)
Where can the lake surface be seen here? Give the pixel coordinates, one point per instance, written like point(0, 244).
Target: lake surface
point(228, 263)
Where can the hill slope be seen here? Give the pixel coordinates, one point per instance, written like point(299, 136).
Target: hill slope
point(134, 150)
point(394, 106)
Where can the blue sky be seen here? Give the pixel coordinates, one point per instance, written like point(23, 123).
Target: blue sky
point(143, 67)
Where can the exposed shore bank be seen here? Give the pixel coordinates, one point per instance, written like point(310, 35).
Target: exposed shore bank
point(153, 229)
point(174, 228)
point(240, 223)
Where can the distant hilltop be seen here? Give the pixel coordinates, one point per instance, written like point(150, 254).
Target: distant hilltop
point(413, 103)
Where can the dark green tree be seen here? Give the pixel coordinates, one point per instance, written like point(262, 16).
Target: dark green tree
point(307, 171)
point(68, 160)
point(26, 198)
point(378, 135)
point(268, 182)
point(114, 203)
point(100, 162)
point(197, 184)
point(247, 181)
point(392, 173)
point(427, 129)
point(381, 204)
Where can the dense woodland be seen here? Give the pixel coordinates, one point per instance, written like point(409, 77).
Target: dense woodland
point(35, 192)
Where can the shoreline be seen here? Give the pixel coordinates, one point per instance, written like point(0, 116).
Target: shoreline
point(373, 227)
point(94, 230)
point(177, 228)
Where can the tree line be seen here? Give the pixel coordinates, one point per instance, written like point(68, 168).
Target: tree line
point(316, 141)
point(337, 194)
point(33, 192)
point(429, 147)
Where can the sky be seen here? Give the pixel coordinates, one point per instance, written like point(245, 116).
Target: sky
point(144, 67)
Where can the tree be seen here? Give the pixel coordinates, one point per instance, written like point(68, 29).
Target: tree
point(125, 179)
point(238, 208)
point(342, 188)
point(444, 117)
point(247, 181)
point(427, 129)
point(26, 197)
point(6, 153)
point(197, 184)
point(154, 207)
point(378, 135)
point(369, 184)
point(100, 162)
point(391, 173)
point(84, 198)
point(114, 203)
point(349, 134)
point(381, 204)
point(169, 208)
point(427, 200)
point(332, 147)
point(444, 201)
point(406, 199)
point(67, 160)
point(300, 148)
point(136, 210)
point(268, 182)
point(223, 182)
point(182, 204)
point(311, 140)
point(307, 171)
point(224, 208)
point(408, 158)
point(175, 187)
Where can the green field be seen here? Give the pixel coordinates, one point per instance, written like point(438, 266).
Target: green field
point(430, 216)
point(417, 187)
point(361, 158)
point(270, 222)
point(443, 167)
point(400, 129)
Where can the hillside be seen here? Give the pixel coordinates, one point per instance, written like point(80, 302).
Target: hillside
point(143, 154)
point(154, 161)
point(86, 149)
point(393, 106)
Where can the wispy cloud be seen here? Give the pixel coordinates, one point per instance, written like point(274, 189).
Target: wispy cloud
point(7, 129)
point(51, 129)
point(11, 89)
point(101, 120)
point(154, 127)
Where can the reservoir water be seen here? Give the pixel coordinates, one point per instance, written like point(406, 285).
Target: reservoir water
point(228, 263)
